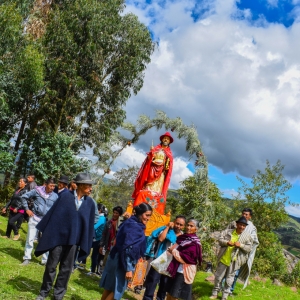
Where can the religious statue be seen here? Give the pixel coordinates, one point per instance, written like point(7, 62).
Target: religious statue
point(153, 179)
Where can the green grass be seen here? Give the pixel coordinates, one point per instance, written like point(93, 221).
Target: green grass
point(257, 290)
point(23, 282)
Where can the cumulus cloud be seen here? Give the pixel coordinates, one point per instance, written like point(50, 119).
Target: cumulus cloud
point(238, 83)
point(293, 210)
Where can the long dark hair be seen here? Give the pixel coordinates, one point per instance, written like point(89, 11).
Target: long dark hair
point(141, 208)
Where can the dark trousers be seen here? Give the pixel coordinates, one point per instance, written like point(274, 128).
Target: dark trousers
point(14, 223)
point(152, 279)
point(94, 257)
point(64, 256)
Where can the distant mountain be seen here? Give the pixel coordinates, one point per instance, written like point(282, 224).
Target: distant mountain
point(289, 235)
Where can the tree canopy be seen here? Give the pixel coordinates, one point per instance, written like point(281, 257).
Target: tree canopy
point(67, 67)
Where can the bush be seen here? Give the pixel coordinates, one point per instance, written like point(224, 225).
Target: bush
point(294, 277)
point(269, 259)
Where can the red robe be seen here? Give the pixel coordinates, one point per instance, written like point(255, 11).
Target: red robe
point(148, 173)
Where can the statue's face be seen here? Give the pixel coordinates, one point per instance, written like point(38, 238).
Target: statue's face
point(166, 140)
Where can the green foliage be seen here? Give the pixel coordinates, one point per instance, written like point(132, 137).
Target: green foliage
point(6, 193)
point(266, 196)
point(49, 155)
point(7, 157)
point(118, 190)
point(293, 278)
point(269, 259)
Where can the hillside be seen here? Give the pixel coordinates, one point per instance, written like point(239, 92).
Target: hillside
point(23, 282)
point(289, 235)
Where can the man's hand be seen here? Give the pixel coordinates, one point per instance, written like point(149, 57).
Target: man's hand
point(29, 213)
point(126, 215)
point(15, 210)
point(4, 210)
point(237, 244)
point(170, 225)
point(128, 275)
point(230, 243)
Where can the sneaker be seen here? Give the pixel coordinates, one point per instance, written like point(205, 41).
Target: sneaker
point(81, 266)
point(39, 297)
point(43, 263)
point(90, 274)
point(5, 237)
point(213, 297)
point(25, 262)
point(16, 237)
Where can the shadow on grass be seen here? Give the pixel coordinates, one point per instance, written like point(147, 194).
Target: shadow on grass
point(92, 283)
point(13, 252)
point(24, 284)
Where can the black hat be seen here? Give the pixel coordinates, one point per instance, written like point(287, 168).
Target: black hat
point(83, 178)
point(242, 220)
point(119, 209)
point(64, 179)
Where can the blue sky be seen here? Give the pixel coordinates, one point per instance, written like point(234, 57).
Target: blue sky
point(232, 69)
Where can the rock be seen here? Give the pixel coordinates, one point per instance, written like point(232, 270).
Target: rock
point(210, 278)
point(277, 282)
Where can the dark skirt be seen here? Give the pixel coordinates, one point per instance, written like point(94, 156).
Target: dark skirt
point(177, 288)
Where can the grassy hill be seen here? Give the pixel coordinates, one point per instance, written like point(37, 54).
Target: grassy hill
point(23, 282)
point(289, 235)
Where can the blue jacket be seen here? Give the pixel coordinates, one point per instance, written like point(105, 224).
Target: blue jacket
point(99, 226)
point(41, 205)
point(162, 246)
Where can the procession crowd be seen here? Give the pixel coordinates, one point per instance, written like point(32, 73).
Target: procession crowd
point(69, 225)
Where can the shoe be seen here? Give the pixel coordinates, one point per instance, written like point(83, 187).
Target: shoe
point(81, 266)
point(43, 263)
point(25, 262)
point(5, 237)
point(90, 274)
point(39, 297)
point(213, 297)
point(16, 237)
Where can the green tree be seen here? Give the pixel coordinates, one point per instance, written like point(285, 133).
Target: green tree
point(118, 190)
point(52, 157)
point(71, 69)
point(266, 196)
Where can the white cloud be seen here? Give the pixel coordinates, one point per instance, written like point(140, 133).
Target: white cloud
point(293, 210)
point(230, 193)
point(238, 83)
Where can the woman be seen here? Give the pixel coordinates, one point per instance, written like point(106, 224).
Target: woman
point(99, 226)
point(130, 246)
point(187, 254)
point(16, 213)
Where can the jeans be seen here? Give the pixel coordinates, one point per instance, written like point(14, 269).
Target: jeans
point(31, 234)
point(11, 225)
point(64, 256)
point(94, 257)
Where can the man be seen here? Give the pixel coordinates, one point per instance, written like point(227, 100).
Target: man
point(43, 198)
point(153, 179)
point(244, 273)
point(67, 225)
point(31, 184)
point(109, 233)
point(62, 185)
point(158, 242)
point(236, 245)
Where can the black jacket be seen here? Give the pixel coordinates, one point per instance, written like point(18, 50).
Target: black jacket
point(16, 200)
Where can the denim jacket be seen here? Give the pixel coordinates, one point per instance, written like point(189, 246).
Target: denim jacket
point(41, 205)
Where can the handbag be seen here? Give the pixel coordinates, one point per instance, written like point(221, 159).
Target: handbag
point(161, 263)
